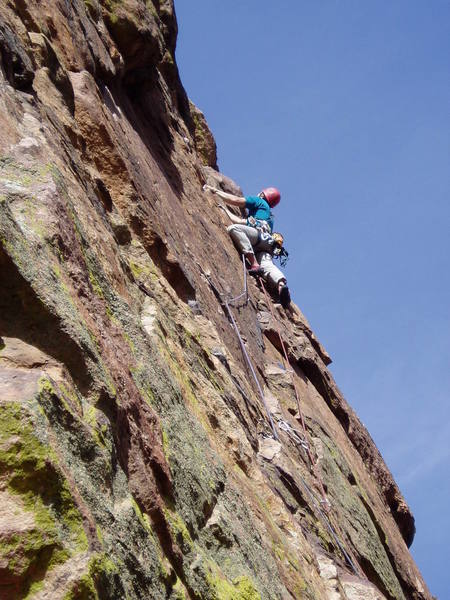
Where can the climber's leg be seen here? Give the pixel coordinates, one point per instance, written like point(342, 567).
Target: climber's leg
point(274, 277)
point(285, 296)
point(245, 238)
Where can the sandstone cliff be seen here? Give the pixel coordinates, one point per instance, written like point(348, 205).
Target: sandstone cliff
point(137, 458)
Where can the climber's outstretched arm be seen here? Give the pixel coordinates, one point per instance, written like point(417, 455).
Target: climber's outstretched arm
point(233, 218)
point(228, 198)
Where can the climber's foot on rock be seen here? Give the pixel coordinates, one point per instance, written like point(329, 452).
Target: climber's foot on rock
point(285, 296)
point(255, 271)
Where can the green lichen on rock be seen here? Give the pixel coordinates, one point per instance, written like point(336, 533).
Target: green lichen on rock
point(140, 270)
point(151, 7)
point(31, 470)
point(356, 520)
point(112, 5)
point(36, 273)
point(30, 475)
point(93, 8)
point(179, 530)
point(98, 431)
point(133, 25)
point(178, 591)
point(166, 444)
point(241, 588)
point(13, 172)
point(89, 586)
point(96, 287)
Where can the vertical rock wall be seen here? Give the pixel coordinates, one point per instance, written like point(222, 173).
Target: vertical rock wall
point(136, 456)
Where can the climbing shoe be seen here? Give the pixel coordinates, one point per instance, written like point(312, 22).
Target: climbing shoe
point(285, 296)
point(255, 271)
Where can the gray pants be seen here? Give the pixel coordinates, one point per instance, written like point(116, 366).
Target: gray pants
point(248, 241)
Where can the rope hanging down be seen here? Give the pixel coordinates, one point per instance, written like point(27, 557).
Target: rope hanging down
point(226, 304)
point(296, 436)
point(303, 442)
point(331, 529)
point(250, 365)
point(324, 501)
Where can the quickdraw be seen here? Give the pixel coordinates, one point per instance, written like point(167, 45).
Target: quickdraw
point(282, 254)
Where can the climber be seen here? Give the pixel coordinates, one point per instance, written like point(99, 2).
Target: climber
point(266, 246)
point(245, 232)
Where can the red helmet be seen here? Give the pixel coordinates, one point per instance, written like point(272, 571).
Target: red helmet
point(272, 195)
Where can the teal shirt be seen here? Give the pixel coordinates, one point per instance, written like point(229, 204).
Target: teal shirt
point(259, 209)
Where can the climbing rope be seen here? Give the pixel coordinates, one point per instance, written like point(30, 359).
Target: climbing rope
point(303, 442)
point(323, 506)
point(232, 301)
point(226, 303)
point(324, 501)
point(331, 529)
point(252, 370)
point(294, 434)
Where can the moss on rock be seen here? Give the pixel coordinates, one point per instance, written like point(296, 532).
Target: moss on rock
point(91, 585)
point(29, 471)
point(241, 588)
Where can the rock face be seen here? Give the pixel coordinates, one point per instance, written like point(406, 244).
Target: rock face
point(137, 457)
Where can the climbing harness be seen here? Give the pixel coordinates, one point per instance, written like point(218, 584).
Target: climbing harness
point(259, 224)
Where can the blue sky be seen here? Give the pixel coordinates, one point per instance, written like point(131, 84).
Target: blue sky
point(345, 106)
